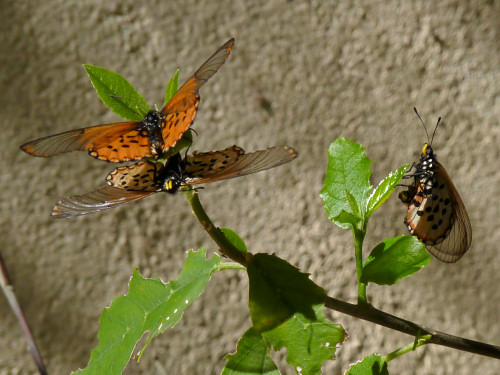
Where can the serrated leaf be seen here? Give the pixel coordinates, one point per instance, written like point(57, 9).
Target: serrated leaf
point(172, 87)
point(117, 93)
point(236, 240)
point(251, 357)
point(384, 190)
point(347, 182)
point(394, 259)
point(150, 306)
point(370, 365)
point(286, 307)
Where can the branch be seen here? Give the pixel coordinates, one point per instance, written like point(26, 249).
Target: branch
point(371, 314)
point(6, 286)
point(363, 311)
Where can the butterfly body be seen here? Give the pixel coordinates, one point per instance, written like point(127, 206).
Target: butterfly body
point(156, 134)
point(436, 213)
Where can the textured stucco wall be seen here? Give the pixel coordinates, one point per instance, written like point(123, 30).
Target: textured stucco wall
point(330, 69)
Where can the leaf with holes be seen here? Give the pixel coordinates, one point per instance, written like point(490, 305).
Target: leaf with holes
point(150, 306)
point(370, 365)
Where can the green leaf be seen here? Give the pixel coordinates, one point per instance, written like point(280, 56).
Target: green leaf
point(251, 358)
point(286, 307)
point(236, 240)
point(150, 306)
point(347, 218)
point(117, 93)
point(385, 189)
point(394, 259)
point(370, 365)
point(347, 182)
point(172, 87)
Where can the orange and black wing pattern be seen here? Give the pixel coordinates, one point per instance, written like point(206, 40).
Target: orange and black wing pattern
point(231, 163)
point(114, 142)
point(127, 141)
point(180, 112)
point(142, 176)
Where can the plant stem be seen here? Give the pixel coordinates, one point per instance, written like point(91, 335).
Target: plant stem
point(405, 349)
point(363, 309)
point(371, 314)
point(8, 290)
point(230, 266)
point(226, 248)
point(358, 251)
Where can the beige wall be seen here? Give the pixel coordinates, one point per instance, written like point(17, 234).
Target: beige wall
point(330, 69)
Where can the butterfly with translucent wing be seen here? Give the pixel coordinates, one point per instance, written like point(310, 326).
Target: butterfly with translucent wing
point(157, 133)
point(436, 213)
point(145, 178)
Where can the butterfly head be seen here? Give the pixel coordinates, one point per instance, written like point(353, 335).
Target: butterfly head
point(427, 151)
point(171, 183)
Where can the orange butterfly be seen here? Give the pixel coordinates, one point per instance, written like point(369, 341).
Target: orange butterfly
point(145, 178)
point(436, 213)
point(134, 140)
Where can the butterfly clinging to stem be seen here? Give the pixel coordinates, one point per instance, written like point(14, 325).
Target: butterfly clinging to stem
point(157, 133)
point(145, 178)
point(436, 213)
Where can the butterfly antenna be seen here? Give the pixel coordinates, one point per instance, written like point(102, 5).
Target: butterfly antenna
point(132, 100)
point(439, 120)
point(422, 121)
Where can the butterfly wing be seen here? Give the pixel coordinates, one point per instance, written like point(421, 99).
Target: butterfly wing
point(95, 201)
point(116, 142)
point(459, 239)
point(142, 176)
point(243, 165)
point(206, 163)
point(179, 113)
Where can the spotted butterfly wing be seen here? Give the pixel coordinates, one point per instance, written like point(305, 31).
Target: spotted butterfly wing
point(135, 140)
point(243, 165)
point(125, 185)
point(436, 213)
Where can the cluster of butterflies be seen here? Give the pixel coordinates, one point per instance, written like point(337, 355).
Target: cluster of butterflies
point(436, 214)
point(148, 140)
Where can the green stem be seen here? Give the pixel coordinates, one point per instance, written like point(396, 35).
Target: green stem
point(226, 248)
point(405, 349)
point(230, 266)
point(358, 249)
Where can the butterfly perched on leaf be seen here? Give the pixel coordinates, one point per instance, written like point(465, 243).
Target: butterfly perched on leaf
point(436, 213)
point(157, 133)
point(145, 178)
